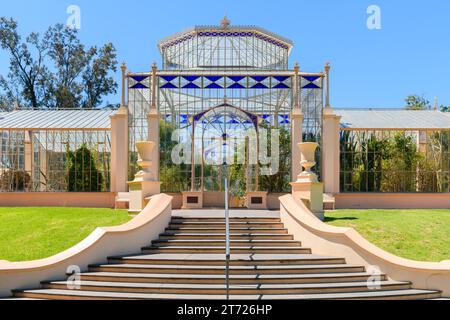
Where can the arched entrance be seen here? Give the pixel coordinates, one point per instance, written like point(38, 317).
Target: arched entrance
point(225, 143)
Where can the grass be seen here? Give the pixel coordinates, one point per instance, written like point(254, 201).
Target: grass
point(422, 235)
point(35, 233)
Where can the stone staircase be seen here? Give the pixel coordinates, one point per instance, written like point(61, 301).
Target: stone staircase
point(188, 262)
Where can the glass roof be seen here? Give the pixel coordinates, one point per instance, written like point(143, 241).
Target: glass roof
point(360, 119)
point(226, 46)
point(56, 119)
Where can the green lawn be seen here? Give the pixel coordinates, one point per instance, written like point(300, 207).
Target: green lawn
point(36, 233)
point(422, 235)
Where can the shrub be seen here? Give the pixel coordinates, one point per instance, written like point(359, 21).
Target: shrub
point(15, 180)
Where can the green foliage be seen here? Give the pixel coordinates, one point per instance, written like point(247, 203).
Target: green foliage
point(416, 102)
point(83, 174)
point(173, 179)
point(237, 181)
point(279, 182)
point(380, 164)
point(400, 164)
point(54, 70)
point(172, 176)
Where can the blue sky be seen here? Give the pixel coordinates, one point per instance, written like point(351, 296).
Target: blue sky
point(371, 68)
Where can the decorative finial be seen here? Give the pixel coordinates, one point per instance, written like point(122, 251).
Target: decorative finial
point(327, 67)
point(225, 23)
point(296, 67)
point(123, 67)
point(436, 104)
point(328, 109)
point(154, 67)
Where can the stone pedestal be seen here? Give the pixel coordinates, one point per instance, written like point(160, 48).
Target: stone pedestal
point(312, 194)
point(257, 200)
point(192, 200)
point(140, 192)
point(307, 188)
point(144, 185)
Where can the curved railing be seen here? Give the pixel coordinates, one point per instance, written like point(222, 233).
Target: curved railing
point(328, 240)
point(103, 242)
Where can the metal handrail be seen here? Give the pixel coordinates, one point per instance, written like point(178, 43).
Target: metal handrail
point(227, 237)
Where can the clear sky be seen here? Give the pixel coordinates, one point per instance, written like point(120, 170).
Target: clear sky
point(371, 68)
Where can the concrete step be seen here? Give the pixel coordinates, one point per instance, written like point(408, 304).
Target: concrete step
point(220, 278)
point(176, 225)
point(232, 230)
point(20, 299)
point(176, 219)
point(236, 259)
point(217, 250)
point(234, 270)
point(177, 288)
point(91, 295)
point(238, 236)
point(234, 243)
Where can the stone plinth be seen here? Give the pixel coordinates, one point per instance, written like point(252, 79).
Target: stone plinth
point(307, 188)
point(140, 191)
point(192, 200)
point(312, 194)
point(257, 200)
point(144, 184)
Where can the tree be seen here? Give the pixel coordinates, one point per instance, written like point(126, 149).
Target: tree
point(279, 182)
point(55, 70)
point(27, 71)
point(83, 174)
point(416, 102)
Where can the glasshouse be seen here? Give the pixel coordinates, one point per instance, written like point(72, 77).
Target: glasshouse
point(226, 108)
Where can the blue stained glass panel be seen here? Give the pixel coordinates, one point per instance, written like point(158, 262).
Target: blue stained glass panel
point(311, 86)
point(284, 119)
point(139, 86)
point(213, 78)
point(139, 78)
point(311, 78)
point(281, 86)
point(183, 118)
point(259, 78)
point(169, 78)
point(191, 78)
point(169, 85)
point(260, 86)
point(236, 86)
point(281, 78)
point(214, 86)
point(236, 78)
point(191, 86)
